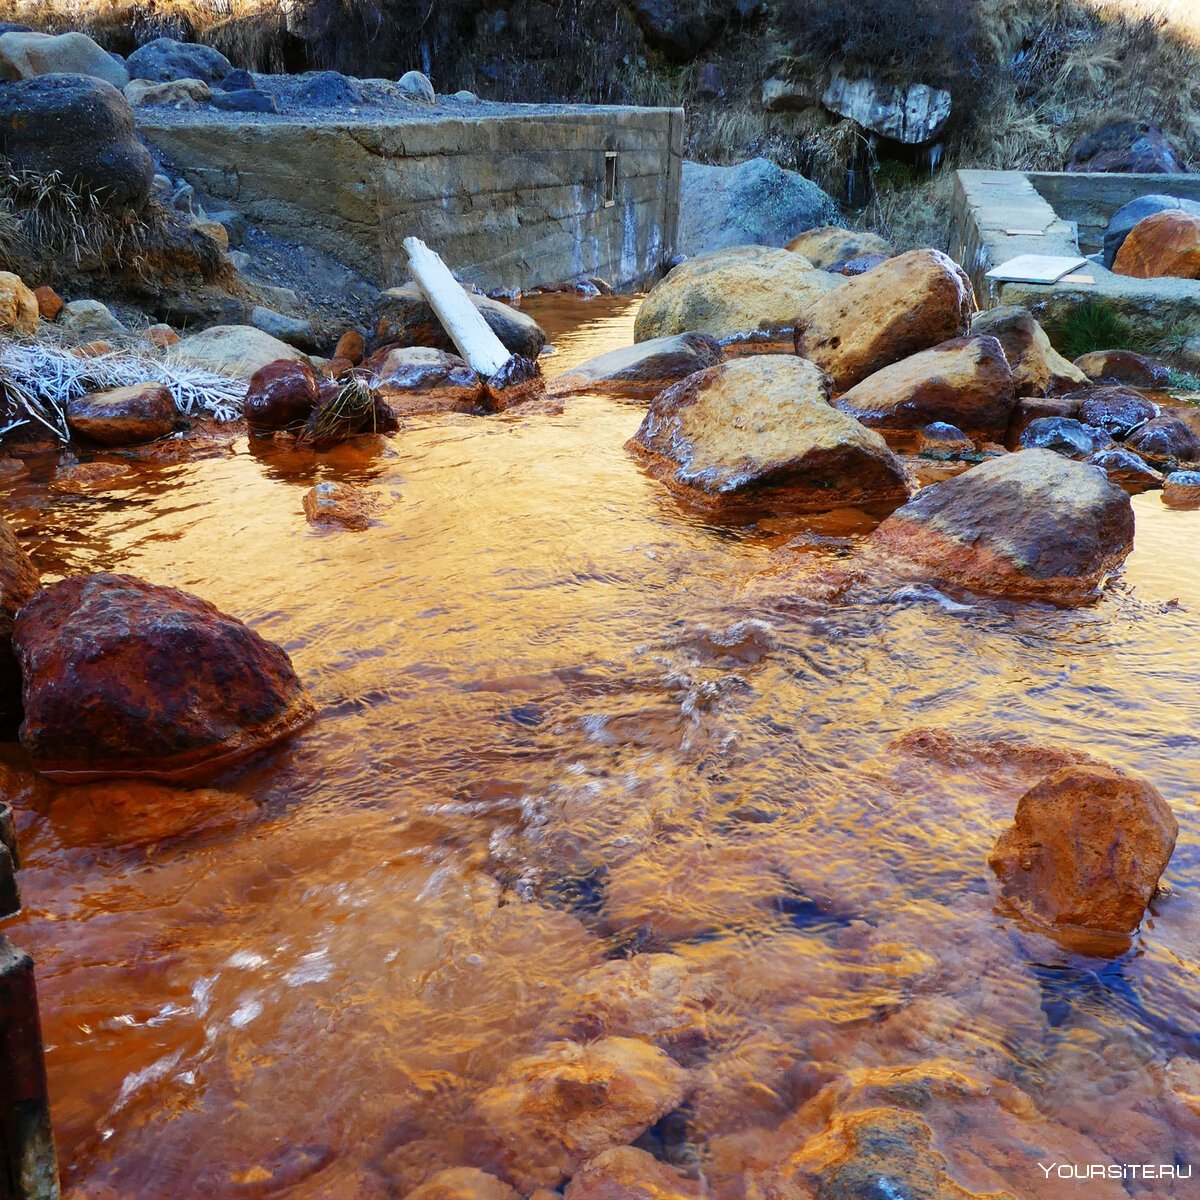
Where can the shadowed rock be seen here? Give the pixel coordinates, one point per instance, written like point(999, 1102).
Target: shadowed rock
point(1037, 368)
point(831, 244)
point(1032, 526)
point(1123, 368)
point(126, 678)
point(907, 304)
point(759, 433)
point(1166, 439)
point(18, 582)
point(1064, 436)
point(1086, 848)
point(1116, 410)
point(1129, 470)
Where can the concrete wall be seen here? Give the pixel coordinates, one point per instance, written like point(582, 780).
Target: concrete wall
point(997, 215)
point(510, 199)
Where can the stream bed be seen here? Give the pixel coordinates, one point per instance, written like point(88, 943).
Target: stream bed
point(566, 723)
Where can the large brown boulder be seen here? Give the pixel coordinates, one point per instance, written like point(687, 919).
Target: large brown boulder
point(554, 1110)
point(758, 433)
point(19, 307)
point(415, 380)
point(1166, 440)
point(831, 244)
point(1032, 526)
point(18, 582)
point(642, 370)
point(1162, 245)
point(1087, 848)
point(733, 293)
point(127, 678)
point(965, 382)
point(124, 416)
point(1123, 367)
point(905, 305)
point(1037, 368)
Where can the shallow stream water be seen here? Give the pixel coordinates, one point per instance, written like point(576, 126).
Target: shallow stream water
point(564, 723)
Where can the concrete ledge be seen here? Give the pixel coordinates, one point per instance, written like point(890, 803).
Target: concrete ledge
point(997, 215)
point(512, 199)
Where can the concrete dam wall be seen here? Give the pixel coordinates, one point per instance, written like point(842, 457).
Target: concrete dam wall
point(510, 195)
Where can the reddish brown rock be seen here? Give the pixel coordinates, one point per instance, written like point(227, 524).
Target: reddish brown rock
point(351, 346)
point(92, 349)
point(49, 302)
point(18, 582)
point(334, 503)
point(1182, 489)
point(161, 336)
point(281, 395)
point(1164, 245)
point(553, 1111)
point(1087, 848)
point(127, 678)
point(941, 441)
point(463, 1183)
point(642, 370)
point(1166, 439)
point(965, 382)
point(1032, 526)
point(1122, 367)
point(418, 380)
point(626, 1173)
point(1129, 470)
point(1116, 410)
point(1037, 368)
point(758, 433)
point(907, 304)
point(125, 416)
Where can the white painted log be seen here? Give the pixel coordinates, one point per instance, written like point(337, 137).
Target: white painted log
point(459, 317)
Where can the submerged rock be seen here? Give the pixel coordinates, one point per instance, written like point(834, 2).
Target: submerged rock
point(463, 1183)
point(1165, 245)
point(1033, 526)
point(731, 293)
point(336, 503)
point(124, 416)
point(127, 678)
point(1087, 848)
point(1037, 368)
point(626, 1173)
point(1182, 489)
point(281, 395)
point(908, 304)
point(19, 580)
point(965, 382)
point(1123, 368)
point(415, 380)
point(831, 244)
point(555, 1110)
point(403, 317)
point(1064, 435)
point(1116, 410)
point(755, 203)
point(642, 370)
point(759, 433)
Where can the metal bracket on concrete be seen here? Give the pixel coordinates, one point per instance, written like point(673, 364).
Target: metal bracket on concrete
point(28, 1166)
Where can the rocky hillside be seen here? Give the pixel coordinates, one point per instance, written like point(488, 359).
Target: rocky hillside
point(872, 102)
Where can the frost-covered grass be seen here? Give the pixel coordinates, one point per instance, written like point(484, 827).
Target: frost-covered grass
point(39, 380)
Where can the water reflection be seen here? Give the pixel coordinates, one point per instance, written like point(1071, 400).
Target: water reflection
point(579, 772)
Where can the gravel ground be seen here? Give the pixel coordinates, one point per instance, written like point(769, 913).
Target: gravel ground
point(382, 98)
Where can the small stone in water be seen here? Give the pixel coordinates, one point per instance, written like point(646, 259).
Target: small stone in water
point(1182, 489)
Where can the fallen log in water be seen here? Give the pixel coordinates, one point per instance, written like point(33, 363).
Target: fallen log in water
point(508, 378)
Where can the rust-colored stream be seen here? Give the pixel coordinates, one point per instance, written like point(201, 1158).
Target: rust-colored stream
point(559, 726)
